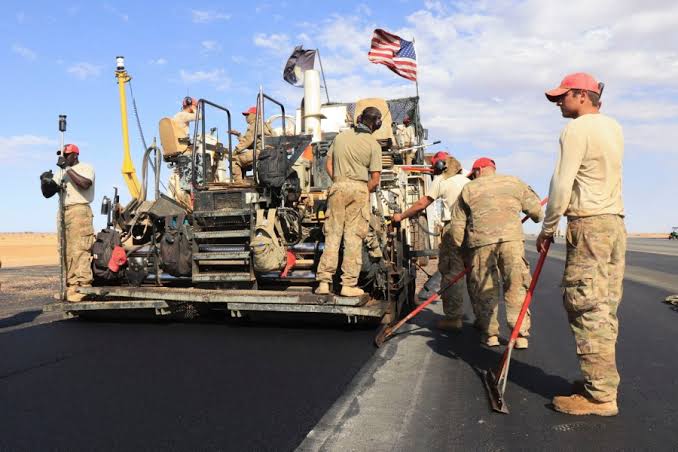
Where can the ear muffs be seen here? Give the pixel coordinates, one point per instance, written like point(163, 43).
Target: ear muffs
point(188, 100)
point(377, 124)
point(439, 167)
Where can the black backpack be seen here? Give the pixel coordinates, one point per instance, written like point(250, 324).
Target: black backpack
point(102, 250)
point(176, 254)
point(272, 166)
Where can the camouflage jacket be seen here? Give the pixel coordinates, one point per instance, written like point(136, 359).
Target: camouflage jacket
point(246, 140)
point(488, 211)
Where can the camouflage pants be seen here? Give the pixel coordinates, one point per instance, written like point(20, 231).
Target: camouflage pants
point(79, 241)
point(348, 213)
point(241, 163)
point(493, 263)
point(179, 194)
point(450, 264)
point(592, 290)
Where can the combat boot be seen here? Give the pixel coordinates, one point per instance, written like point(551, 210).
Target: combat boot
point(73, 296)
point(490, 341)
point(449, 324)
point(521, 343)
point(347, 291)
point(323, 288)
point(580, 405)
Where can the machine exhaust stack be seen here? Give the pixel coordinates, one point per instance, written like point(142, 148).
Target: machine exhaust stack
point(312, 115)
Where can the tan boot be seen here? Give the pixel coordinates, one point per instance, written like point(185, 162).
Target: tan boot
point(449, 324)
point(73, 296)
point(490, 341)
point(521, 343)
point(323, 288)
point(579, 405)
point(351, 291)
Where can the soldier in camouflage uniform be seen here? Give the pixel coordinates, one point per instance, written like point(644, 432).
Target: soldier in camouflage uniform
point(354, 164)
point(446, 186)
point(486, 218)
point(243, 154)
point(586, 187)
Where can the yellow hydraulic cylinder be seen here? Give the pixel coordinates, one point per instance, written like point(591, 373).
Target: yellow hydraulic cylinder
point(129, 173)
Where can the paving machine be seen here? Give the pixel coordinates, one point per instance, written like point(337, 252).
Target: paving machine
point(254, 246)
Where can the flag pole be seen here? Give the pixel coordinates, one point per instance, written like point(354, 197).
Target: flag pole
point(322, 71)
point(419, 158)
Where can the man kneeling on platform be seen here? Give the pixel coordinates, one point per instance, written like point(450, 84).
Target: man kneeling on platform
point(354, 164)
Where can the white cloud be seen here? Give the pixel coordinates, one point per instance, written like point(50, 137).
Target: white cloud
point(20, 145)
point(157, 61)
point(208, 16)
point(364, 9)
point(209, 46)
point(24, 52)
point(84, 71)
point(484, 66)
point(216, 77)
point(278, 42)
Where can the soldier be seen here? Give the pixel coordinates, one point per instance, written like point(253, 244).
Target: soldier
point(405, 137)
point(587, 188)
point(243, 154)
point(487, 217)
point(182, 120)
point(354, 164)
point(446, 185)
point(78, 179)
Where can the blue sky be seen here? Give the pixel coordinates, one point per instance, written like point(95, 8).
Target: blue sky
point(483, 69)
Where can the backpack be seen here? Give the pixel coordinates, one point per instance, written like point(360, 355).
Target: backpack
point(102, 251)
point(268, 254)
point(272, 166)
point(176, 253)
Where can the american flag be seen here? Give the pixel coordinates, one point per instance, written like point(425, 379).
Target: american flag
point(395, 53)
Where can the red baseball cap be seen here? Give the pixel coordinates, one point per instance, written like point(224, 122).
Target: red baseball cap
point(71, 149)
point(250, 111)
point(438, 156)
point(482, 162)
point(578, 80)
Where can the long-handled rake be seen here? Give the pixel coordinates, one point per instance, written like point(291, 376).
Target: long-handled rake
point(496, 385)
point(388, 331)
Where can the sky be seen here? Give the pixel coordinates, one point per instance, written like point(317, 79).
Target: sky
point(483, 69)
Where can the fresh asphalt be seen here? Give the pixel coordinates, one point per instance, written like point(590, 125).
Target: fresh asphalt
point(77, 385)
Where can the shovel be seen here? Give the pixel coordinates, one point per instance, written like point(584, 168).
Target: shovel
point(496, 384)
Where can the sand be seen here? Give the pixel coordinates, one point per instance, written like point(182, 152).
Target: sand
point(21, 249)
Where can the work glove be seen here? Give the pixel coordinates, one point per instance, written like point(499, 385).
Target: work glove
point(61, 162)
point(46, 176)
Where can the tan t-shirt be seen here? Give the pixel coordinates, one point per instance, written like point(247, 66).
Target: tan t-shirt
point(587, 180)
point(182, 120)
point(74, 194)
point(448, 190)
point(355, 155)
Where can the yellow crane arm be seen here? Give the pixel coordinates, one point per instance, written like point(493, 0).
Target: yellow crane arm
point(129, 173)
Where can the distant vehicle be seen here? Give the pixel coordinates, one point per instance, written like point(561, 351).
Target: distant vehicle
point(674, 233)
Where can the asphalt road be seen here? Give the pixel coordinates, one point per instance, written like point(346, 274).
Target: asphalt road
point(425, 392)
point(75, 385)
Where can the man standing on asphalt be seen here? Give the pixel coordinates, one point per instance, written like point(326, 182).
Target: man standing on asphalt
point(243, 154)
point(487, 218)
point(78, 183)
point(587, 188)
point(447, 186)
point(354, 164)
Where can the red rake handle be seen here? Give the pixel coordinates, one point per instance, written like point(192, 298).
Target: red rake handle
point(525, 307)
point(430, 300)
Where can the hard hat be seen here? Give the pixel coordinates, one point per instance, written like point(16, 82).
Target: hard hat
point(578, 80)
point(250, 111)
point(482, 162)
point(71, 149)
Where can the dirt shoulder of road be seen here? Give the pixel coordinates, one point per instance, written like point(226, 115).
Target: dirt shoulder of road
point(21, 249)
